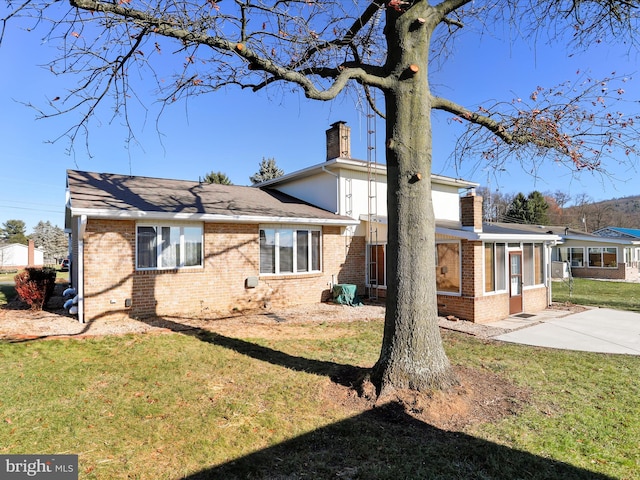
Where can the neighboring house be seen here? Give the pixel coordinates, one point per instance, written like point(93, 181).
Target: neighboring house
point(17, 255)
point(610, 253)
point(152, 246)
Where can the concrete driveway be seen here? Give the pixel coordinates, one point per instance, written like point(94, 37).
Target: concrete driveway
point(594, 330)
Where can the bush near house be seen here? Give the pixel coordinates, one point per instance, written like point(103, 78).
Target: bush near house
point(35, 286)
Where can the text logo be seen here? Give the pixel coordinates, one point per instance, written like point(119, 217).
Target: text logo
point(39, 467)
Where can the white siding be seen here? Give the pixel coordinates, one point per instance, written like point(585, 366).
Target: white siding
point(18, 255)
point(319, 190)
point(360, 194)
point(446, 202)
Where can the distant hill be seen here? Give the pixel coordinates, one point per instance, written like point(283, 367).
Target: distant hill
point(618, 212)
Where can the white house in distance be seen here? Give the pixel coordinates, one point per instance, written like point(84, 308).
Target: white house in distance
point(17, 255)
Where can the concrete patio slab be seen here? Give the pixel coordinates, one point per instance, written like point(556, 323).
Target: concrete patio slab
point(595, 330)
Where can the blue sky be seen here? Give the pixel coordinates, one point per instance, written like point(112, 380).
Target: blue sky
point(231, 131)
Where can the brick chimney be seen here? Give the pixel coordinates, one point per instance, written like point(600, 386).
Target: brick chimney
point(31, 259)
point(339, 141)
point(471, 211)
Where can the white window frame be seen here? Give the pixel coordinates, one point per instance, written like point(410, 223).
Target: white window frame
point(504, 275)
point(529, 264)
point(278, 230)
point(180, 263)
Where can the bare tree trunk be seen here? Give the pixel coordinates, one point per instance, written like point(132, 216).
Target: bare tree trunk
point(412, 354)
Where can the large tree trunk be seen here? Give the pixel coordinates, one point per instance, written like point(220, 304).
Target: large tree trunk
point(412, 353)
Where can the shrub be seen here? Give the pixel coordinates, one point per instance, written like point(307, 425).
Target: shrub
point(35, 286)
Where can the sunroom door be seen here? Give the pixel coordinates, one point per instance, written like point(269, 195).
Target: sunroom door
point(515, 282)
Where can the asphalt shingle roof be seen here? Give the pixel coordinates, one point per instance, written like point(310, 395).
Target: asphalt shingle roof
point(100, 192)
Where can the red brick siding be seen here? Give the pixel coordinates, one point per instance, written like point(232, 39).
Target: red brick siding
point(231, 254)
point(471, 211)
point(490, 307)
point(619, 273)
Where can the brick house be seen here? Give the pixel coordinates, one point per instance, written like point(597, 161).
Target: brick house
point(610, 253)
point(484, 271)
point(149, 246)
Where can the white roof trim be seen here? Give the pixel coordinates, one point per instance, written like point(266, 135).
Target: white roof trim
point(204, 217)
point(615, 240)
point(498, 237)
point(361, 165)
point(375, 218)
point(480, 236)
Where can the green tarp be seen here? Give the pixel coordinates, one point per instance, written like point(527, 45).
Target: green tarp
point(345, 294)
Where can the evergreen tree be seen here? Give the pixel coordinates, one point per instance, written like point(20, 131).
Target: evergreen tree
point(268, 170)
point(52, 240)
point(517, 211)
point(538, 209)
point(532, 209)
point(13, 231)
point(217, 177)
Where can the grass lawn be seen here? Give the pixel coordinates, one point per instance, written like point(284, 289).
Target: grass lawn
point(178, 406)
point(598, 293)
point(7, 292)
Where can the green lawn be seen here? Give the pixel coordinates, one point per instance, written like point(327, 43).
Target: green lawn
point(179, 406)
point(598, 293)
point(7, 292)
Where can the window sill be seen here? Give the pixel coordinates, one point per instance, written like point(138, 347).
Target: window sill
point(173, 271)
point(289, 276)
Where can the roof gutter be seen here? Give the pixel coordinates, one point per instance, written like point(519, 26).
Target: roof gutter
point(499, 237)
point(206, 217)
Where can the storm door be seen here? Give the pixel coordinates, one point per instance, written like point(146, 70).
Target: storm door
point(515, 282)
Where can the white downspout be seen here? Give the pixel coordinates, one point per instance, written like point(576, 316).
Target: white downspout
point(82, 227)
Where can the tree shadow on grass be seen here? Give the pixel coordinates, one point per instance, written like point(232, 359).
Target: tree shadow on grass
point(384, 442)
point(346, 375)
point(387, 443)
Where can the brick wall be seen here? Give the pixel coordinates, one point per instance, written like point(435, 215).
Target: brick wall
point(491, 307)
point(471, 212)
point(231, 254)
point(619, 273)
point(473, 305)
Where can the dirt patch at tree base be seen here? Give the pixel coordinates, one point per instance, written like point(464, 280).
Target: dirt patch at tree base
point(480, 397)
